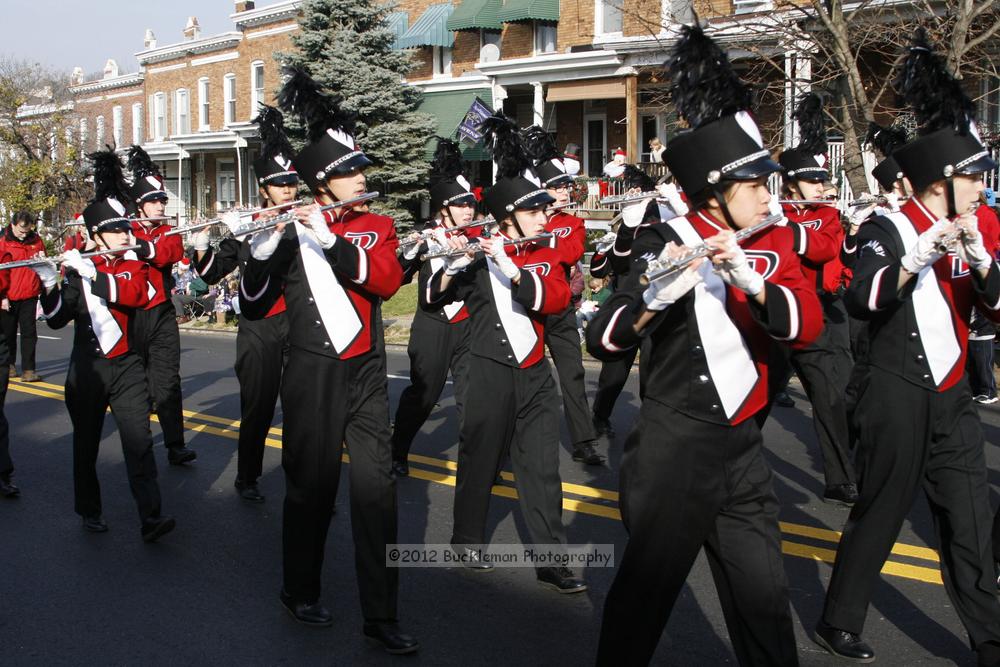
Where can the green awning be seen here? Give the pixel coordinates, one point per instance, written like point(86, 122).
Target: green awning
point(431, 29)
point(448, 109)
point(397, 22)
point(529, 10)
point(476, 15)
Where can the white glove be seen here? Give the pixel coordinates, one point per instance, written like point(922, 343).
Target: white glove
point(605, 243)
point(774, 208)
point(925, 252)
point(632, 214)
point(200, 241)
point(414, 249)
point(47, 273)
point(669, 192)
point(737, 272)
point(233, 221)
point(859, 215)
point(456, 263)
point(503, 262)
point(973, 252)
point(263, 245)
point(317, 223)
point(667, 290)
point(85, 267)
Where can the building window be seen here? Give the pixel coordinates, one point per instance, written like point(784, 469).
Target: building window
point(83, 134)
point(159, 116)
point(488, 37)
point(203, 117)
point(225, 185)
point(137, 137)
point(608, 17)
point(229, 88)
point(100, 133)
point(545, 37)
point(442, 60)
point(256, 87)
point(750, 6)
point(116, 126)
point(182, 111)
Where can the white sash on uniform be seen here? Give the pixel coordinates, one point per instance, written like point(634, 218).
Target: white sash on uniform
point(519, 327)
point(102, 321)
point(336, 311)
point(452, 308)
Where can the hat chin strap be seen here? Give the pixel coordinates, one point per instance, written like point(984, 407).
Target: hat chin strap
point(949, 185)
point(719, 197)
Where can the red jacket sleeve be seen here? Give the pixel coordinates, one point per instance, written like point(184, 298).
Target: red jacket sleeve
point(818, 234)
point(792, 311)
point(126, 286)
point(570, 237)
point(162, 251)
point(542, 286)
point(367, 257)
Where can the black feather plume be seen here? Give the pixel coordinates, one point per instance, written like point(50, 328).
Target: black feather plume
point(925, 85)
point(109, 181)
point(271, 128)
point(703, 85)
point(885, 139)
point(318, 109)
point(538, 144)
point(140, 164)
point(501, 138)
point(637, 178)
point(447, 161)
point(812, 124)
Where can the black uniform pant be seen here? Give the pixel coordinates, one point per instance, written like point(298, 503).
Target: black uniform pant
point(261, 350)
point(328, 403)
point(911, 438)
point(687, 485)
point(824, 369)
point(93, 384)
point(509, 409)
point(6, 465)
point(611, 381)
point(563, 340)
point(21, 316)
point(158, 342)
point(979, 366)
point(434, 348)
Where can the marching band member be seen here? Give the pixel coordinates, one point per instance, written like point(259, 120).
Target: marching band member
point(156, 337)
point(439, 338)
point(510, 292)
point(261, 344)
point(824, 366)
point(569, 238)
point(336, 267)
point(918, 426)
point(20, 304)
point(693, 473)
point(101, 296)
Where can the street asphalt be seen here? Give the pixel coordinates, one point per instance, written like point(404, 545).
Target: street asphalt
point(208, 592)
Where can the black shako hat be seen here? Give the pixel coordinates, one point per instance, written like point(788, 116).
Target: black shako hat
point(147, 183)
point(724, 143)
point(886, 140)
point(448, 184)
point(330, 148)
point(109, 209)
point(807, 161)
point(512, 190)
point(948, 142)
point(547, 166)
point(274, 164)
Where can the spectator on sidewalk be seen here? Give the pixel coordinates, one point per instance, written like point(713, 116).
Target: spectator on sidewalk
point(979, 362)
point(18, 310)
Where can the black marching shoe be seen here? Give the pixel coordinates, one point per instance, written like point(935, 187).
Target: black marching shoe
point(155, 528)
point(313, 614)
point(177, 456)
point(842, 494)
point(95, 524)
point(391, 638)
point(8, 489)
point(604, 428)
point(400, 467)
point(586, 452)
point(248, 491)
point(560, 579)
point(843, 644)
point(472, 559)
point(783, 400)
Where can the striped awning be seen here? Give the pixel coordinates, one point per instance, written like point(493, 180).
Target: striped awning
point(476, 15)
point(529, 10)
point(397, 22)
point(431, 29)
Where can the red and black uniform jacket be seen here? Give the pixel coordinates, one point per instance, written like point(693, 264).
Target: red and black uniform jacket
point(508, 319)
point(819, 237)
point(569, 237)
point(919, 333)
point(161, 253)
point(100, 308)
point(451, 313)
point(709, 356)
point(332, 295)
point(24, 284)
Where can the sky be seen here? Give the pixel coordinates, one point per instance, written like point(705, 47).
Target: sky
point(63, 34)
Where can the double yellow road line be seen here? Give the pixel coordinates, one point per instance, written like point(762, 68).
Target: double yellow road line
point(819, 544)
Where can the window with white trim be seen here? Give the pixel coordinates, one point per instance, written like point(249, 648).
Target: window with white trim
point(608, 17)
point(256, 87)
point(182, 112)
point(545, 37)
point(441, 60)
point(159, 116)
point(203, 117)
point(137, 137)
point(229, 99)
point(99, 144)
point(116, 126)
point(488, 37)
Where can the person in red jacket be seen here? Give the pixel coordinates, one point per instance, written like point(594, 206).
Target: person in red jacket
point(510, 291)
point(157, 338)
point(19, 307)
point(825, 366)
point(335, 267)
point(100, 296)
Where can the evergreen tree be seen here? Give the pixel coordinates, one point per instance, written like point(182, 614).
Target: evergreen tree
point(347, 48)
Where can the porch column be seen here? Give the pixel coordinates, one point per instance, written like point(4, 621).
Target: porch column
point(798, 80)
point(538, 105)
point(632, 147)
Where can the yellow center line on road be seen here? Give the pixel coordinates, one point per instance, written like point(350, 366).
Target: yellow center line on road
point(229, 428)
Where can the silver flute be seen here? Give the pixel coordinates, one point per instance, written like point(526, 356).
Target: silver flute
point(476, 247)
point(59, 259)
point(630, 198)
point(255, 226)
point(429, 233)
point(947, 242)
point(657, 269)
point(198, 226)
